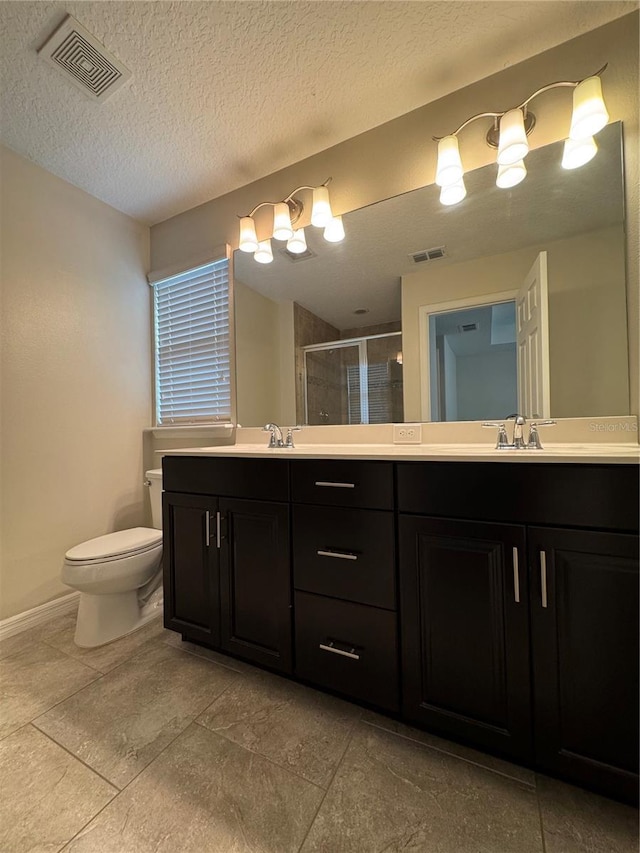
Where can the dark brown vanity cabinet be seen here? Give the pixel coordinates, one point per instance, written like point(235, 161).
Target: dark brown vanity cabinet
point(227, 569)
point(465, 630)
point(584, 609)
point(523, 637)
point(344, 575)
point(191, 567)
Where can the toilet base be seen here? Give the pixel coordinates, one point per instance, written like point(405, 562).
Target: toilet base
point(107, 617)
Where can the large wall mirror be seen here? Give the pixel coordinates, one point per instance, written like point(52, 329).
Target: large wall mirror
point(424, 311)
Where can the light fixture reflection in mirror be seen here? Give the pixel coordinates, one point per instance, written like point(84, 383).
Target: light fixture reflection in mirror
point(387, 265)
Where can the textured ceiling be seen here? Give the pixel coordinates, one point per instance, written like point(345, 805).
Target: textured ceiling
point(224, 93)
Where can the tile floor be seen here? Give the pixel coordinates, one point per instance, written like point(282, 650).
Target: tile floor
point(152, 744)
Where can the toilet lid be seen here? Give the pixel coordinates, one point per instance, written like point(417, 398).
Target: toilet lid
point(116, 544)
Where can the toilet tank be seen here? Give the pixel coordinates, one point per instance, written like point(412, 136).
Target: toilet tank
point(154, 478)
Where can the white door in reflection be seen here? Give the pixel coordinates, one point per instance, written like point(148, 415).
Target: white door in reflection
point(532, 320)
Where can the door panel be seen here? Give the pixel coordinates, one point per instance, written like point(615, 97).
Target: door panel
point(255, 579)
point(532, 332)
point(585, 645)
point(191, 598)
point(465, 637)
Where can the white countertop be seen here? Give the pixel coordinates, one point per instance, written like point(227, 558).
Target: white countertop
point(576, 453)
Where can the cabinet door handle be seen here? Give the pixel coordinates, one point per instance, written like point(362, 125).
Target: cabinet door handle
point(516, 577)
point(339, 555)
point(336, 650)
point(330, 485)
point(217, 529)
point(543, 578)
point(207, 528)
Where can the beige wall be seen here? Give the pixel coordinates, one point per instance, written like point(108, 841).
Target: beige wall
point(399, 156)
point(257, 357)
point(75, 375)
point(587, 317)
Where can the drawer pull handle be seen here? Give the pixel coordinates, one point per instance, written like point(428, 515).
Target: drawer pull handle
point(335, 485)
point(516, 577)
point(339, 555)
point(329, 647)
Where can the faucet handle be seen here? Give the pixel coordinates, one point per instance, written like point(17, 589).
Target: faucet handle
point(290, 432)
point(534, 438)
point(502, 441)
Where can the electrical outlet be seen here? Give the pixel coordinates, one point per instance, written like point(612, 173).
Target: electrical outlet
point(407, 433)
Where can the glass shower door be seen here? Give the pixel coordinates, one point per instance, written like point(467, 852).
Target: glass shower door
point(333, 386)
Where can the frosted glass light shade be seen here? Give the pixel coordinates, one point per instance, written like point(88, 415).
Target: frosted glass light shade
point(454, 193)
point(510, 176)
point(248, 240)
point(282, 229)
point(321, 211)
point(513, 145)
point(334, 231)
point(297, 244)
point(589, 112)
point(577, 152)
point(263, 254)
point(449, 169)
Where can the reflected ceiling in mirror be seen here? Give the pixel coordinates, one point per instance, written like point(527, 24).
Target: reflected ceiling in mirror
point(381, 240)
point(383, 262)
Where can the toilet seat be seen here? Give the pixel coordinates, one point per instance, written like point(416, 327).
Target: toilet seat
point(115, 546)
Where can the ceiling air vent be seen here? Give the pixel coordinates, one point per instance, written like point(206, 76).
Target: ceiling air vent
point(85, 62)
point(428, 255)
point(467, 327)
point(299, 256)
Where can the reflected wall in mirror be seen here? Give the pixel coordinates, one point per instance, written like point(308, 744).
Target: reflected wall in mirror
point(310, 329)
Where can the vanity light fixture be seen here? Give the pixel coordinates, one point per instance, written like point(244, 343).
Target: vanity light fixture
point(286, 214)
point(509, 132)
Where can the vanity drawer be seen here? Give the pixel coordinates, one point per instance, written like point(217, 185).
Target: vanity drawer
point(350, 648)
point(343, 483)
point(345, 553)
point(257, 479)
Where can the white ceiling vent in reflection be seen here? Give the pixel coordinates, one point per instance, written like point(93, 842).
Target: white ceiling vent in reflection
point(428, 255)
point(298, 256)
point(84, 61)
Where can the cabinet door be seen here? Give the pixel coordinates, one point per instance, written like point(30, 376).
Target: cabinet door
point(584, 610)
point(465, 631)
point(255, 582)
point(191, 579)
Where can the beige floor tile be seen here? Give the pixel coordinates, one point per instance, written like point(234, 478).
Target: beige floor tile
point(175, 641)
point(19, 642)
point(521, 774)
point(106, 658)
point(123, 721)
point(392, 795)
point(577, 821)
point(47, 795)
point(299, 728)
point(204, 794)
point(36, 679)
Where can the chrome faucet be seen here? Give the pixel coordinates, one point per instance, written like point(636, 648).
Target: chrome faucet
point(518, 442)
point(518, 423)
point(276, 435)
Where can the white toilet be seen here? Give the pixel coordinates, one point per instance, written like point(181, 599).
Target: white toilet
point(119, 577)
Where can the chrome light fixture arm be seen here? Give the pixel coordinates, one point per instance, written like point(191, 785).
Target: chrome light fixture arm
point(523, 106)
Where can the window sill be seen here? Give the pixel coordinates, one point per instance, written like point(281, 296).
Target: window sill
point(199, 431)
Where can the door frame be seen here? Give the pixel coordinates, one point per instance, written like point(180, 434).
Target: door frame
point(424, 315)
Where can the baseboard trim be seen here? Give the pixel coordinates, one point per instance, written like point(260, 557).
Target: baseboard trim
point(38, 615)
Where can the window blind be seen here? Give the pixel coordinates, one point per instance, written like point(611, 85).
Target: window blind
point(192, 346)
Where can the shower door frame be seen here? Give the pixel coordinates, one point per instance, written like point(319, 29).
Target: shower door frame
point(363, 364)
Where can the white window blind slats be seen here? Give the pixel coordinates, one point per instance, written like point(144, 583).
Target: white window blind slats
point(193, 346)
